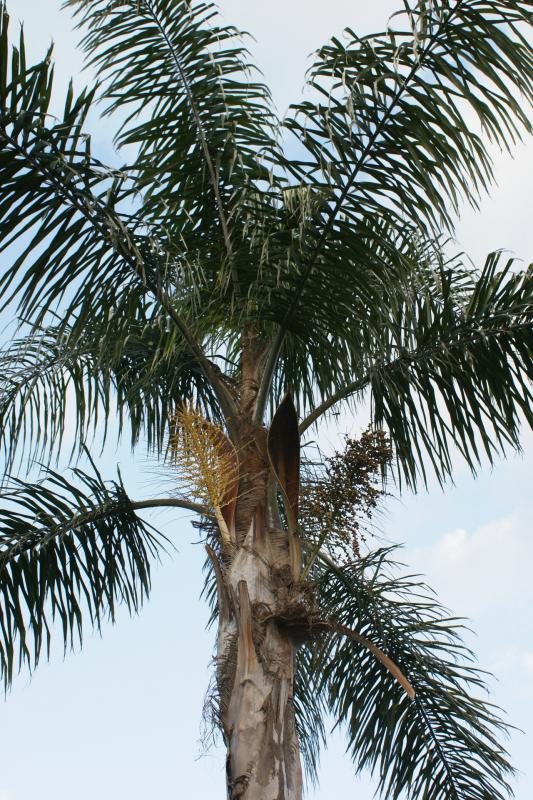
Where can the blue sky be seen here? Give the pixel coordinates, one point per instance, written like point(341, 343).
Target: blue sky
point(122, 718)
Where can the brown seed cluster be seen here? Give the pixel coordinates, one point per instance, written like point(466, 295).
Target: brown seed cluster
point(340, 496)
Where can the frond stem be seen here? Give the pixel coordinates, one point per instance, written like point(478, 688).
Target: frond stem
point(376, 651)
point(173, 502)
point(347, 391)
point(438, 746)
point(32, 540)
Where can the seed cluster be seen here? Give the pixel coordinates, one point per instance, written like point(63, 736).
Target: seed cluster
point(341, 494)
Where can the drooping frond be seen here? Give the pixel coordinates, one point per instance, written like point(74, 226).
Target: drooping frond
point(57, 202)
point(452, 365)
point(202, 125)
point(134, 371)
point(441, 745)
point(462, 370)
point(402, 119)
point(67, 551)
point(344, 309)
point(310, 709)
point(133, 283)
point(61, 207)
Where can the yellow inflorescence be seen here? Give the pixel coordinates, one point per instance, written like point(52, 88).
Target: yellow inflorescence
point(206, 459)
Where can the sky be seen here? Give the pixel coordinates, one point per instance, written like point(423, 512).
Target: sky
point(122, 718)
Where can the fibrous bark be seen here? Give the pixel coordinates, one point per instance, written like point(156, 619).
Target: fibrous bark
point(255, 652)
point(256, 656)
point(256, 672)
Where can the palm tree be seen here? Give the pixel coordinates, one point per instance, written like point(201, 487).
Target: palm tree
point(214, 299)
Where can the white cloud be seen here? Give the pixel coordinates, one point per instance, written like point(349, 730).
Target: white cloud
point(512, 670)
point(527, 663)
point(474, 571)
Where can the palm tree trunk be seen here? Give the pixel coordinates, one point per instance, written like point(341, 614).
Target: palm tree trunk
point(255, 654)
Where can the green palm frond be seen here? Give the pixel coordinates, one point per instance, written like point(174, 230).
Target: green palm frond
point(402, 118)
point(452, 365)
point(41, 377)
point(398, 130)
point(325, 276)
point(203, 127)
point(441, 745)
point(462, 371)
point(80, 252)
point(344, 309)
point(136, 372)
point(311, 713)
point(56, 199)
point(67, 550)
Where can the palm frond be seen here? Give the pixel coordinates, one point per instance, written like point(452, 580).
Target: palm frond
point(135, 371)
point(78, 253)
point(310, 710)
point(402, 118)
point(462, 371)
point(452, 365)
point(398, 130)
point(41, 378)
point(56, 199)
point(345, 308)
point(203, 127)
point(439, 746)
point(67, 551)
